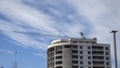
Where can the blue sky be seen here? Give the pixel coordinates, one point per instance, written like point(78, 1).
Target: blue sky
point(96, 18)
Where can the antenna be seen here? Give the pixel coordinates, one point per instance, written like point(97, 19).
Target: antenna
point(59, 34)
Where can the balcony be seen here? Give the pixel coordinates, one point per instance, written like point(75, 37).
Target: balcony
point(97, 48)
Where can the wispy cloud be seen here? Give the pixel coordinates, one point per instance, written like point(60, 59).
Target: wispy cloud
point(41, 54)
point(10, 52)
point(103, 16)
point(22, 17)
point(94, 17)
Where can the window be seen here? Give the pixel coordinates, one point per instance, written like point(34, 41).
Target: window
point(51, 64)
point(51, 59)
point(74, 46)
point(106, 48)
point(75, 62)
point(107, 53)
point(74, 51)
point(58, 52)
point(87, 42)
point(89, 47)
point(89, 52)
point(58, 57)
point(58, 67)
point(89, 57)
point(98, 62)
point(107, 58)
point(89, 67)
point(81, 66)
point(81, 57)
point(75, 56)
point(74, 66)
point(67, 46)
point(81, 62)
point(51, 54)
point(89, 62)
point(81, 52)
point(58, 48)
point(81, 47)
point(107, 63)
point(98, 57)
point(80, 42)
point(51, 49)
point(74, 41)
point(58, 62)
point(97, 47)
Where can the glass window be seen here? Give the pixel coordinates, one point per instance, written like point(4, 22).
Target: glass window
point(89, 67)
point(58, 52)
point(106, 48)
point(89, 57)
point(107, 58)
point(107, 63)
point(81, 47)
point(58, 62)
point(89, 47)
point(81, 52)
point(74, 66)
point(81, 62)
point(89, 52)
point(75, 62)
point(81, 57)
point(58, 67)
point(58, 57)
point(51, 49)
point(67, 46)
point(81, 66)
point(89, 62)
point(58, 47)
point(107, 53)
point(75, 56)
point(74, 46)
point(74, 51)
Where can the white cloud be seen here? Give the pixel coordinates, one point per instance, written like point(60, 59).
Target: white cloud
point(25, 18)
point(24, 39)
point(101, 15)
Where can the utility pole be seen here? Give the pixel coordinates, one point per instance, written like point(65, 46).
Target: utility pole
point(15, 63)
point(115, 49)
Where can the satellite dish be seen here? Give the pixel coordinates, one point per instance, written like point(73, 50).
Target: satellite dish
point(82, 35)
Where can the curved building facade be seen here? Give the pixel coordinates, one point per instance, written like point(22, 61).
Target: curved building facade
point(78, 53)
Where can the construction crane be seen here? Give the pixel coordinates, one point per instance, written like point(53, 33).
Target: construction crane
point(49, 35)
point(41, 34)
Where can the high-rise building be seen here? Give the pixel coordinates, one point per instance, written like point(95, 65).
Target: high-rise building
point(78, 53)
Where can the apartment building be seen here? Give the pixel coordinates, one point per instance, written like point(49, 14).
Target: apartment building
point(78, 53)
